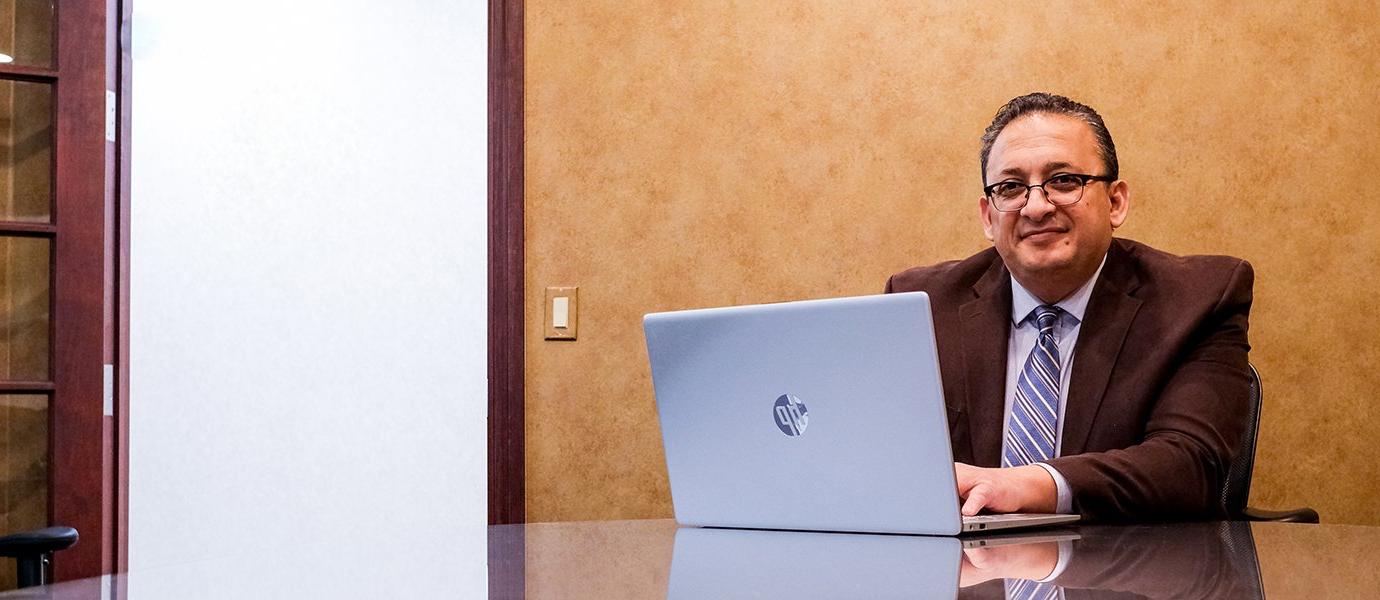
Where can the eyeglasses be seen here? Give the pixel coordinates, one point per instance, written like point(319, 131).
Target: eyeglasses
point(1060, 190)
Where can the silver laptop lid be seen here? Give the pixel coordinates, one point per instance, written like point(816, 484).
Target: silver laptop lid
point(823, 415)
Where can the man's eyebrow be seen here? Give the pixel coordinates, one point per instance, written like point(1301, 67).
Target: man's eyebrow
point(1048, 168)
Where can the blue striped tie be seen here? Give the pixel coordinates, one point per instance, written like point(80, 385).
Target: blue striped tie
point(1025, 589)
point(1035, 411)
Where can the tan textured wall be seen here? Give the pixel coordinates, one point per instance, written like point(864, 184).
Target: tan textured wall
point(708, 153)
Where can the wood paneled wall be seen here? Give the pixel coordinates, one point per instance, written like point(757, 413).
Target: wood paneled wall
point(710, 153)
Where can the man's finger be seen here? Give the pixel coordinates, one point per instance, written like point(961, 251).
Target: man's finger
point(975, 569)
point(977, 498)
point(964, 475)
point(979, 558)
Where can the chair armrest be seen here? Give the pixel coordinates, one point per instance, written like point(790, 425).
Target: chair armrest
point(41, 541)
point(1296, 515)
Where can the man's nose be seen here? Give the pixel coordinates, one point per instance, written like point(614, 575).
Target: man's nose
point(1037, 205)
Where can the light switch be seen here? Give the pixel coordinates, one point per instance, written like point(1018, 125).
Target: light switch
point(562, 312)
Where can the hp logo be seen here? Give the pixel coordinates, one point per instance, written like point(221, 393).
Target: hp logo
point(791, 415)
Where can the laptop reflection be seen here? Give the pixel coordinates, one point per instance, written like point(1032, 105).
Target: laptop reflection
point(1189, 560)
point(742, 563)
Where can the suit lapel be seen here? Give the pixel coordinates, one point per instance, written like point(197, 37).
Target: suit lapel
point(986, 327)
point(1105, 323)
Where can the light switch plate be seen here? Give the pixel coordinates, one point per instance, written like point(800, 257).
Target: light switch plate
point(572, 303)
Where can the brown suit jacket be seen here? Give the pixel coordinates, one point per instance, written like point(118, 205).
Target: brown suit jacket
point(1159, 385)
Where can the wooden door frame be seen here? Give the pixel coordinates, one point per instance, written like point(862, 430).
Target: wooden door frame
point(82, 432)
point(506, 438)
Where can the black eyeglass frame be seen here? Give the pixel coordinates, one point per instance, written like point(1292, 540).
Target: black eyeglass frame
point(1083, 179)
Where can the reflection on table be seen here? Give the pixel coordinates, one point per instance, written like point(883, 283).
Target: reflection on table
point(657, 559)
point(654, 559)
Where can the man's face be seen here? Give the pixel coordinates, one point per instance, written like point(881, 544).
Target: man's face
point(1052, 250)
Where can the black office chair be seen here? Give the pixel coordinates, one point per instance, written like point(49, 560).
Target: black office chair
point(1239, 544)
point(1238, 485)
point(33, 550)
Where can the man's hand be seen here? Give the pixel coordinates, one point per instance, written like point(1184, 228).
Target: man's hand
point(1016, 489)
point(1023, 561)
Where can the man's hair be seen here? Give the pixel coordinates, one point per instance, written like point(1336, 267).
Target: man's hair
point(1041, 102)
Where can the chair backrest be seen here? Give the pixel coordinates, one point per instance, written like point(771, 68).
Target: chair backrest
point(1237, 486)
point(1239, 544)
point(31, 551)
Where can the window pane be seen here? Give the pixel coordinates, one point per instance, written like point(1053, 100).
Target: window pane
point(26, 32)
point(26, 151)
point(24, 308)
point(23, 469)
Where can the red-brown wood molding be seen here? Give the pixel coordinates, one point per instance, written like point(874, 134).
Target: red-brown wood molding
point(506, 460)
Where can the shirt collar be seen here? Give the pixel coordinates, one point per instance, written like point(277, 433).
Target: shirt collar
point(1023, 302)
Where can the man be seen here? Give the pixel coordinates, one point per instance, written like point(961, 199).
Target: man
point(1083, 373)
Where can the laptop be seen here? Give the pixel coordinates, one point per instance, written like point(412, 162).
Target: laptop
point(823, 415)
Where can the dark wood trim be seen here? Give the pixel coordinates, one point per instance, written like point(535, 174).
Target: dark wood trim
point(124, 111)
point(79, 435)
point(27, 229)
point(19, 73)
point(506, 460)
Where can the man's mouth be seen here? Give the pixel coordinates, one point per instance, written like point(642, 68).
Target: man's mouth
point(1043, 232)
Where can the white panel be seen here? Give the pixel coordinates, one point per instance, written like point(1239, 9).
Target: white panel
point(308, 280)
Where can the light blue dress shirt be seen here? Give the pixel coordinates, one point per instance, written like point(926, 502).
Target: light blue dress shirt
point(1024, 334)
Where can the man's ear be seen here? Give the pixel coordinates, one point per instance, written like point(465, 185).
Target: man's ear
point(1119, 198)
point(986, 210)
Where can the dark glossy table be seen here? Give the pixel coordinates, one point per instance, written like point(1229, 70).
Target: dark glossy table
point(656, 559)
